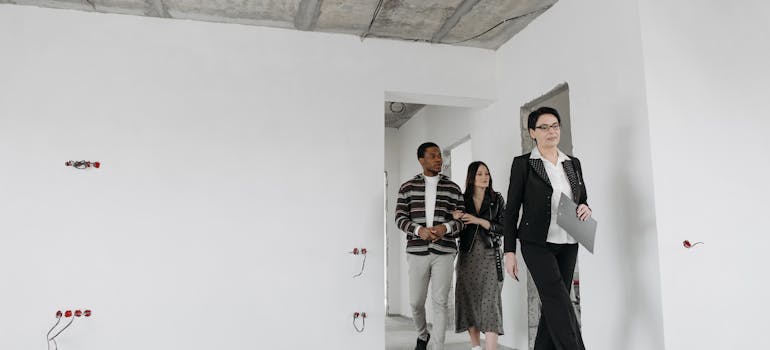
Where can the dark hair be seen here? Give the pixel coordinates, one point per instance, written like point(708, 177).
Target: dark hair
point(532, 119)
point(423, 147)
point(471, 179)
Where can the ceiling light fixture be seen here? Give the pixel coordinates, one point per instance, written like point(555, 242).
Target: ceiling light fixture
point(398, 110)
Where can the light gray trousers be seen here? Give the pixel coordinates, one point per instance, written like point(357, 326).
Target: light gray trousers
point(436, 270)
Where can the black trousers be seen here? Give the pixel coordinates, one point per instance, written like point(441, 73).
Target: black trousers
point(552, 267)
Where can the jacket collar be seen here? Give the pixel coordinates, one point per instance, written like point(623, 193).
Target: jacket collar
point(441, 177)
point(574, 181)
point(539, 167)
point(536, 155)
point(536, 162)
point(485, 205)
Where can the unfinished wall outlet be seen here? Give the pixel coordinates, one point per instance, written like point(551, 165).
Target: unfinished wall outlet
point(71, 315)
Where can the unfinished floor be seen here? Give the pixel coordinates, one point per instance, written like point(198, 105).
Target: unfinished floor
point(400, 335)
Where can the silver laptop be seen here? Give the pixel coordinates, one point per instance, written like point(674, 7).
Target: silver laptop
point(583, 231)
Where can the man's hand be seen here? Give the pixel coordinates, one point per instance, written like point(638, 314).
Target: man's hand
point(511, 265)
point(438, 231)
point(426, 234)
point(456, 214)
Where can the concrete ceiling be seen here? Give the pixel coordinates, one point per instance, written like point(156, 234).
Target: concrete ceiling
point(478, 23)
point(398, 113)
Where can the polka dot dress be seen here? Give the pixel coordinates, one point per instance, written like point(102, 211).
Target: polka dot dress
point(477, 293)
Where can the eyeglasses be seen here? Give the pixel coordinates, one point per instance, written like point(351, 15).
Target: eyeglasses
point(544, 127)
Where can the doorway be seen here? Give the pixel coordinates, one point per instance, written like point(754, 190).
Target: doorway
point(449, 128)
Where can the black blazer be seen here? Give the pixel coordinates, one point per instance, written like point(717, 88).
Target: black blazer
point(530, 188)
point(492, 211)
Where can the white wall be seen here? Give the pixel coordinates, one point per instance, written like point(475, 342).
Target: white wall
point(595, 47)
point(240, 164)
point(394, 235)
point(460, 157)
point(707, 85)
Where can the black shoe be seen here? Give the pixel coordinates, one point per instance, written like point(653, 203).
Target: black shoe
point(422, 344)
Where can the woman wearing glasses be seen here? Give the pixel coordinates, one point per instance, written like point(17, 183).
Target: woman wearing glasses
point(478, 306)
point(537, 181)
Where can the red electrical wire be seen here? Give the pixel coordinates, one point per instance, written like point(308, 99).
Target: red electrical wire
point(689, 245)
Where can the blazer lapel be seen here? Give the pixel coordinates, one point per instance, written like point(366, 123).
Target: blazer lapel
point(573, 180)
point(537, 165)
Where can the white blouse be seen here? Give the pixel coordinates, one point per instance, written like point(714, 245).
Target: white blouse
point(560, 184)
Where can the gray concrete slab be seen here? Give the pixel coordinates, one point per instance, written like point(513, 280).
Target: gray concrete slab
point(345, 16)
point(440, 21)
point(489, 13)
point(413, 19)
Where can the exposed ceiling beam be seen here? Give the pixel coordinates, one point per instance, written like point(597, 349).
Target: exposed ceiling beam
point(307, 14)
point(452, 21)
point(156, 8)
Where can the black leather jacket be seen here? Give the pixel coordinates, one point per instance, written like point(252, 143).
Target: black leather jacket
point(492, 211)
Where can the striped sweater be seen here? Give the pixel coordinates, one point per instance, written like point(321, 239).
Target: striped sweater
point(410, 214)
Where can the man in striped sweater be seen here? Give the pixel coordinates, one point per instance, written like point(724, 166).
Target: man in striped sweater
point(424, 213)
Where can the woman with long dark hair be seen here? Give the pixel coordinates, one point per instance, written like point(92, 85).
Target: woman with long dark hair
point(479, 268)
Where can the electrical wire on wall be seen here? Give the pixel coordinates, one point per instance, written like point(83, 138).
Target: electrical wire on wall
point(48, 335)
point(362, 316)
point(363, 263)
point(67, 314)
point(689, 245)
